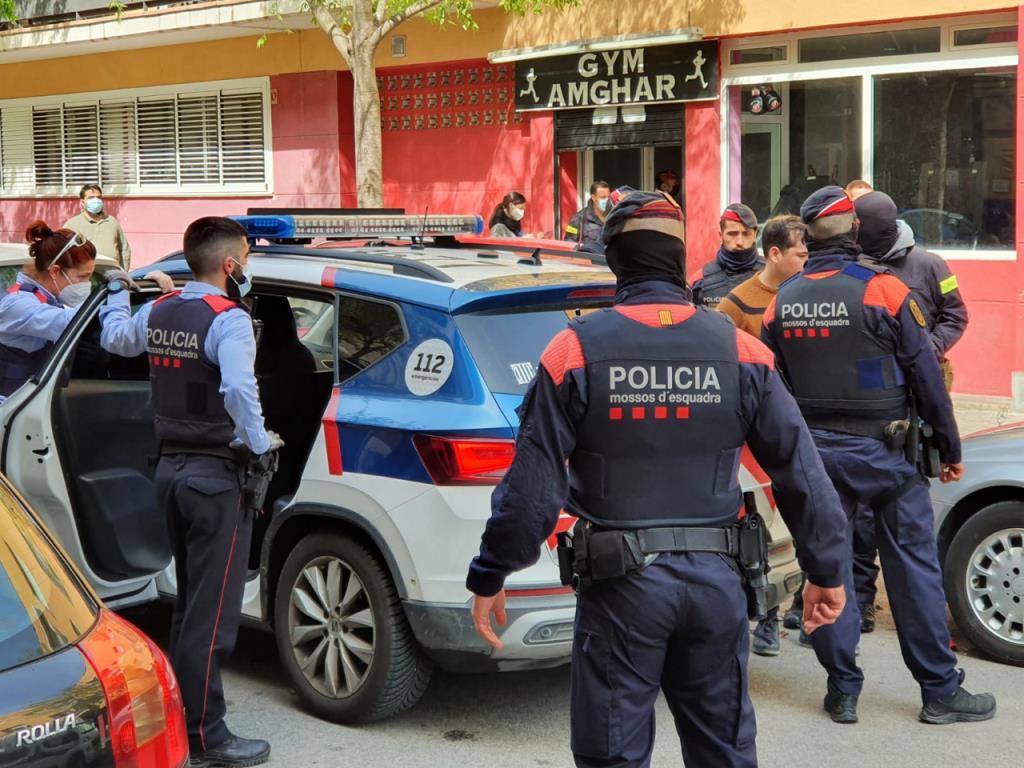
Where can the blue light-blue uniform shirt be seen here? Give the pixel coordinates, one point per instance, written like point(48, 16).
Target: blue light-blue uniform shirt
point(230, 344)
point(28, 324)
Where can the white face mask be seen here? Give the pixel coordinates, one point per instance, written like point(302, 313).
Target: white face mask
point(74, 294)
point(516, 212)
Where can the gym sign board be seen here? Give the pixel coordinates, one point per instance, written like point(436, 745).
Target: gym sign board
point(658, 74)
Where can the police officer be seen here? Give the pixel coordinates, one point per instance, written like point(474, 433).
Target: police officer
point(650, 403)
point(849, 339)
point(43, 300)
point(585, 226)
point(737, 260)
point(890, 242)
point(201, 350)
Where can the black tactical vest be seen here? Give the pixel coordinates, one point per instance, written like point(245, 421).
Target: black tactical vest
point(17, 365)
point(660, 442)
point(717, 283)
point(844, 377)
point(188, 407)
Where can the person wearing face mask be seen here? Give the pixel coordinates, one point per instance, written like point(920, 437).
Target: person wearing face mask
point(585, 227)
point(100, 228)
point(507, 219)
point(202, 351)
point(737, 259)
point(44, 298)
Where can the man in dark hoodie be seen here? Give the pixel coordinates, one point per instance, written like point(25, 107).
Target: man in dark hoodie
point(890, 242)
point(657, 483)
point(849, 340)
point(737, 259)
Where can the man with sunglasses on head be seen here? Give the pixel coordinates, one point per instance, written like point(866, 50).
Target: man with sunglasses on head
point(206, 406)
point(44, 299)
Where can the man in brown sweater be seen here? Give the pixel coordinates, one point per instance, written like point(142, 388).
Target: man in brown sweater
point(785, 253)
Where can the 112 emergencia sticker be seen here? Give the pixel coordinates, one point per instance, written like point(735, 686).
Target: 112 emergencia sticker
point(429, 367)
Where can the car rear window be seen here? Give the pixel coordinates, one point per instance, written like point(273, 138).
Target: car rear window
point(507, 345)
point(42, 609)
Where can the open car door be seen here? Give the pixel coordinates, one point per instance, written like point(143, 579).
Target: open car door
point(77, 441)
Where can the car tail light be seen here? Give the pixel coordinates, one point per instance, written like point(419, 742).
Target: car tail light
point(147, 718)
point(465, 461)
point(591, 293)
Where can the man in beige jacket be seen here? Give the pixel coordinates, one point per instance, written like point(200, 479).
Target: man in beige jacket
point(101, 229)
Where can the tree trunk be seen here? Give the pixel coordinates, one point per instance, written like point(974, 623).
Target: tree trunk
point(366, 112)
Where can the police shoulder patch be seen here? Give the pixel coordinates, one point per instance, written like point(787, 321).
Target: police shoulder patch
point(915, 310)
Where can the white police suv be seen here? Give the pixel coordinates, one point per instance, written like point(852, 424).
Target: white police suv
point(391, 359)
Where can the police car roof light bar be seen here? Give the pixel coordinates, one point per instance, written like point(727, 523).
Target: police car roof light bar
point(295, 226)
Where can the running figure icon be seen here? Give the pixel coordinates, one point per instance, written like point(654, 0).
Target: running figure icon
point(698, 70)
point(531, 82)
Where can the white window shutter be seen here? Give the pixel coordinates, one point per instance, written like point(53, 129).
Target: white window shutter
point(157, 142)
point(198, 140)
point(48, 147)
point(118, 144)
point(81, 146)
point(242, 142)
point(17, 162)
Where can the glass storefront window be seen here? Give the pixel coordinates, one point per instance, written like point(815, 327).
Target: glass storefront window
point(869, 45)
point(944, 151)
point(813, 140)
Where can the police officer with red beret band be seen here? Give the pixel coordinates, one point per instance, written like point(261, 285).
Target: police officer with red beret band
point(652, 475)
point(737, 260)
point(850, 341)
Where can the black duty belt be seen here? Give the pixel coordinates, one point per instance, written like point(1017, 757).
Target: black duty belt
point(657, 540)
point(172, 447)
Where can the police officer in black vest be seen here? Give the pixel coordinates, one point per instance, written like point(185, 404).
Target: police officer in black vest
point(650, 403)
point(201, 351)
point(737, 260)
point(850, 340)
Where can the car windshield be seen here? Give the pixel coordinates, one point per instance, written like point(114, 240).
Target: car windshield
point(507, 345)
point(42, 610)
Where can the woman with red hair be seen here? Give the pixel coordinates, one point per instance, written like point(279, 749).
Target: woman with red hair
point(47, 293)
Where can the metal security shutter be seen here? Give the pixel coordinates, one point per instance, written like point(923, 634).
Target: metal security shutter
point(575, 129)
point(118, 156)
point(17, 160)
point(242, 140)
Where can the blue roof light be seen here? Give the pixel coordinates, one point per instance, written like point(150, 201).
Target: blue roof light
point(358, 226)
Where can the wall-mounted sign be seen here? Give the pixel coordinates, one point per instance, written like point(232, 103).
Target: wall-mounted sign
point(654, 75)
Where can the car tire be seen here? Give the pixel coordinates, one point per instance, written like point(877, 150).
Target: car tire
point(358, 661)
point(984, 580)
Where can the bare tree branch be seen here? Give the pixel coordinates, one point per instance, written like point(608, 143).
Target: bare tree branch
point(403, 15)
point(330, 25)
point(382, 7)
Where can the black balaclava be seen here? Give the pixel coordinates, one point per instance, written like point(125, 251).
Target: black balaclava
point(878, 229)
point(640, 256)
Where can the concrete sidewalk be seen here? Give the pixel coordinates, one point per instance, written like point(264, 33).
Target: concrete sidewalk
point(974, 413)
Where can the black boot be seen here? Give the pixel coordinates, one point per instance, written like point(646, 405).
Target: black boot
point(841, 707)
point(233, 753)
point(959, 707)
point(795, 615)
point(867, 618)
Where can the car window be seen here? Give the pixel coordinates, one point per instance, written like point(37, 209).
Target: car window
point(367, 331)
point(42, 609)
point(507, 345)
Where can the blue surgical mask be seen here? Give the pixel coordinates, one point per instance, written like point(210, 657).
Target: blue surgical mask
point(74, 294)
point(94, 205)
point(603, 204)
point(240, 282)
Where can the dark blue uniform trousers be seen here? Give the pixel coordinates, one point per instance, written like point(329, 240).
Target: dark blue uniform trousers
point(862, 469)
point(865, 555)
point(679, 626)
point(209, 532)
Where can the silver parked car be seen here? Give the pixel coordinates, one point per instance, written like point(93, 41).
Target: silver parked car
point(980, 526)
